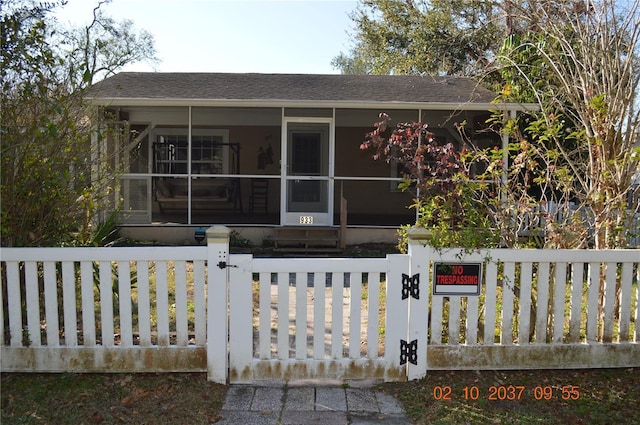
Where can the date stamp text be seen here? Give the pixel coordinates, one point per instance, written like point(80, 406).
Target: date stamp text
point(507, 392)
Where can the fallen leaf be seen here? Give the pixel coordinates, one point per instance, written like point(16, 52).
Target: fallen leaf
point(97, 418)
point(137, 395)
point(124, 381)
point(214, 419)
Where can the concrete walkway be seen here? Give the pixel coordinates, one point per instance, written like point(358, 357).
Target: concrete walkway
point(303, 404)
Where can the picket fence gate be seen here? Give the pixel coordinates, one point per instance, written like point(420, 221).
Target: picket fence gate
point(246, 319)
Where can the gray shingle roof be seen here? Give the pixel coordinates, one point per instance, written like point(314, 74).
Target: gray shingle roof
point(292, 87)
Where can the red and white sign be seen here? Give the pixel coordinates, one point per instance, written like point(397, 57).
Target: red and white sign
point(457, 279)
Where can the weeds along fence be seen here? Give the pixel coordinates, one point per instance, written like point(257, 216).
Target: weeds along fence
point(244, 319)
point(538, 220)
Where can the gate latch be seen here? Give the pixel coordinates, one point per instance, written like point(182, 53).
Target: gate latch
point(409, 352)
point(223, 265)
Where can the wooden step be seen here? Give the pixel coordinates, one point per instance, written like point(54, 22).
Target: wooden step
point(307, 239)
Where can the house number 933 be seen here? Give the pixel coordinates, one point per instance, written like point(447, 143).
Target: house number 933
point(306, 219)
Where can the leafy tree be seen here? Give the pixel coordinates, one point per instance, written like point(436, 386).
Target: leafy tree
point(48, 194)
point(448, 201)
point(571, 164)
point(581, 64)
point(103, 47)
point(443, 37)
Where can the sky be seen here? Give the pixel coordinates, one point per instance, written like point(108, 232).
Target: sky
point(265, 36)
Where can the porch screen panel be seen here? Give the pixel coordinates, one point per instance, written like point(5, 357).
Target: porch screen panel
point(136, 155)
point(170, 154)
point(171, 199)
point(135, 194)
point(373, 203)
point(209, 154)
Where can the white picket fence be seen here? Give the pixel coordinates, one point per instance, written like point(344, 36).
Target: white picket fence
point(538, 309)
point(316, 318)
point(72, 309)
point(245, 319)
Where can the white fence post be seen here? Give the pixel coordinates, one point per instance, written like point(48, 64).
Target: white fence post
point(217, 294)
point(419, 253)
point(396, 347)
point(398, 350)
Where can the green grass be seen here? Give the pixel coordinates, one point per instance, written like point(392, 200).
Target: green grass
point(606, 396)
point(110, 398)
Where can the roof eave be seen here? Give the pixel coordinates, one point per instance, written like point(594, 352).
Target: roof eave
point(288, 103)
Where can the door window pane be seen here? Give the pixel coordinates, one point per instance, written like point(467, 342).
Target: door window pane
point(306, 153)
point(307, 196)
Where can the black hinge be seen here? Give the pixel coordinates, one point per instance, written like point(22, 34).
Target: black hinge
point(409, 352)
point(411, 286)
point(224, 265)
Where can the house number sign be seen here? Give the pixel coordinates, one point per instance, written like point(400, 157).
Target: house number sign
point(306, 219)
point(457, 279)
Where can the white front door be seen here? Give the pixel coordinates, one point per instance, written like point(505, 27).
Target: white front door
point(307, 172)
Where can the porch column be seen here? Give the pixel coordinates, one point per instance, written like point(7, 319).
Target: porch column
point(217, 294)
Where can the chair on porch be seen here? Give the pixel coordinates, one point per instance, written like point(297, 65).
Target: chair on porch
point(259, 196)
